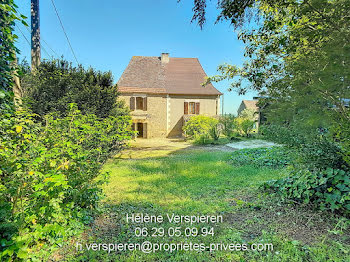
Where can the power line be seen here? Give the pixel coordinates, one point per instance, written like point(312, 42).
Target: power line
point(50, 48)
point(53, 51)
point(64, 31)
point(23, 35)
point(29, 42)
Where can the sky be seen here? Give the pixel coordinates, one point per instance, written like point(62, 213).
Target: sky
point(105, 34)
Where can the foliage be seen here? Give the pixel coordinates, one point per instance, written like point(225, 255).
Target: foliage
point(296, 58)
point(248, 113)
point(320, 176)
point(199, 127)
point(296, 53)
point(228, 124)
point(8, 49)
point(48, 176)
point(244, 125)
point(232, 10)
point(215, 131)
point(198, 181)
point(48, 171)
point(315, 149)
point(328, 189)
point(274, 157)
point(57, 83)
point(342, 135)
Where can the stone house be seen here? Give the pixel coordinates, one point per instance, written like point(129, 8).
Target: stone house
point(252, 106)
point(248, 104)
point(164, 92)
point(259, 110)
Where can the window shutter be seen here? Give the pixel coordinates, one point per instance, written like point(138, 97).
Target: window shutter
point(132, 103)
point(197, 108)
point(144, 130)
point(145, 104)
point(186, 108)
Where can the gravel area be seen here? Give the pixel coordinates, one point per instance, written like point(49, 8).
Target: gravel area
point(251, 144)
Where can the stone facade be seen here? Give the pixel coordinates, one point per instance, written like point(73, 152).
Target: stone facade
point(163, 116)
point(164, 92)
point(209, 105)
point(155, 117)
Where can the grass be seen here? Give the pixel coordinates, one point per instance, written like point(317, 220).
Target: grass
point(179, 183)
point(197, 182)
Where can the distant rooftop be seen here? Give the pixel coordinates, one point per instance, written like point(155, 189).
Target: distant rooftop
point(251, 104)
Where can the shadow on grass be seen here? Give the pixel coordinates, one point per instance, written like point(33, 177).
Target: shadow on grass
point(195, 182)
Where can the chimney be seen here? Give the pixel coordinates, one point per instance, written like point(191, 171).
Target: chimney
point(164, 58)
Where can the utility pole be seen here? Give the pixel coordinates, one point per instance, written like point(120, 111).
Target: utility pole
point(35, 26)
point(222, 104)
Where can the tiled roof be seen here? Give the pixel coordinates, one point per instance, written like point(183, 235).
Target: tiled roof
point(178, 76)
point(127, 89)
point(251, 104)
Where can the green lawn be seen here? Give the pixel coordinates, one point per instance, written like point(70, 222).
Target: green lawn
point(196, 182)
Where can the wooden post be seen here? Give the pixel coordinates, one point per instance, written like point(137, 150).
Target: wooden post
point(35, 33)
point(222, 104)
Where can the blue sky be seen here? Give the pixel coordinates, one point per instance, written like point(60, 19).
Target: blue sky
point(105, 34)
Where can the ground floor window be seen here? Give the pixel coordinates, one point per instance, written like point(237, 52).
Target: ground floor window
point(191, 108)
point(141, 129)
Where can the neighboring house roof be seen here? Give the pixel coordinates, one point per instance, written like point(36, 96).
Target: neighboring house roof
point(176, 76)
point(251, 104)
point(248, 104)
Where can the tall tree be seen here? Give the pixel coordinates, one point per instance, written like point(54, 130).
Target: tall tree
point(297, 54)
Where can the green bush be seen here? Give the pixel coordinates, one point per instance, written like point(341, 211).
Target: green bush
point(316, 149)
point(244, 125)
point(57, 83)
point(215, 131)
point(327, 189)
point(48, 177)
point(228, 124)
point(274, 157)
point(199, 127)
point(320, 175)
point(342, 135)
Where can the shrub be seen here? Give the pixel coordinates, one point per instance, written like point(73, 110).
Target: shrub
point(316, 150)
point(327, 189)
point(274, 157)
point(342, 134)
point(57, 83)
point(244, 125)
point(199, 127)
point(322, 175)
point(47, 176)
point(228, 124)
point(215, 131)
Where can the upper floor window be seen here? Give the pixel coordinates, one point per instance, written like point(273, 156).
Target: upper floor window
point(191, 108)
point(138, 103)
